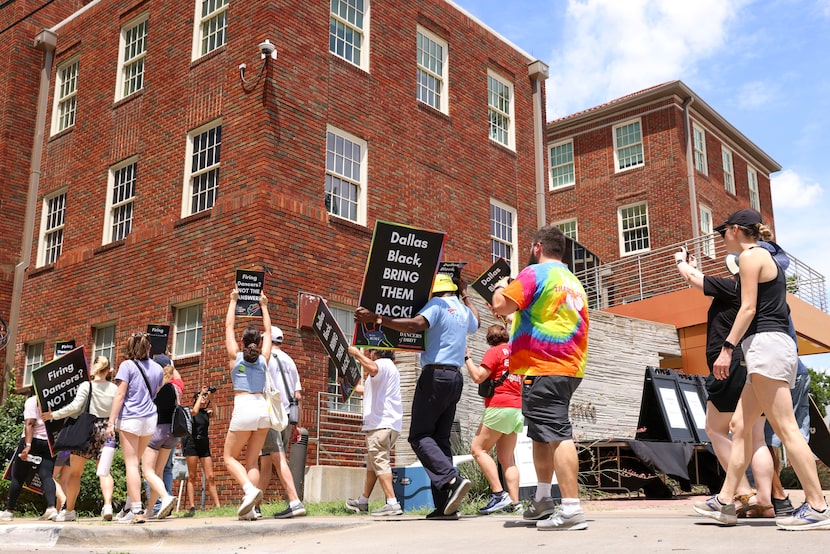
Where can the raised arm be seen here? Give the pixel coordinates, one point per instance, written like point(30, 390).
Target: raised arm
point(230, 320)
point(369, 365)
point(266, 322)
point(403, 324)
point(687, 266)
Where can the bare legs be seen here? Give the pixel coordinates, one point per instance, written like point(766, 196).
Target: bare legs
point(483, 442)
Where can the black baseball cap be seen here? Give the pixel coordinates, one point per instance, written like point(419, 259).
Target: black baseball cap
point(745, 218)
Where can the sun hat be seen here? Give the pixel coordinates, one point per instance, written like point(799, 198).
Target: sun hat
point(443, 283)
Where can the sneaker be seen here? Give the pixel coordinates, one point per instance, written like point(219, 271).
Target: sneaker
point(257, 512)
point(106, 512)
point(783, 508)
point(166, 507)
point(250, 516)
point(515, 509)
point(389, 510)
point(290, 512)
point(805, 518)
point(498, 501)
point(458, 491)
point(50, 514)
point(65, 515)
point(132, 517)
point(358, 507)
point(122, 513)
point(190, 512)
point(540, 509)
point(440, 515)
point(558, 521)
point(724, 513)
point(249, 501)
point(6, 515)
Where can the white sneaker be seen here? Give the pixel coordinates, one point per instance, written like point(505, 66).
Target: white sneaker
point(166, 507)
point(106, 512)
point(132, 517)
point(49, 515)
point(250, 516)
point(248, 501)
point(66, 516)
point(6, 515)
point(558, 521)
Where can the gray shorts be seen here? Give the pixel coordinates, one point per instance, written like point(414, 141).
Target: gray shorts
point(275, 441)
point(546, 400)
point(163, 437)
point(772, 355)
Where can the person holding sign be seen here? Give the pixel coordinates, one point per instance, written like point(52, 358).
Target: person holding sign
point(103, 393)
point(446, 320)
point(134, 415)
point(33, 445)
point(549, 347)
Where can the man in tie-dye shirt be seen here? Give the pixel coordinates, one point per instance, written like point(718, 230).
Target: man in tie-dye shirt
point(549, 346)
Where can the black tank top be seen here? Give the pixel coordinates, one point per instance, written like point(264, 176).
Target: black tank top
point(772, 312)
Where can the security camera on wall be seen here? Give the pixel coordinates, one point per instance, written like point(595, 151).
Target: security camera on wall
point(267, 49)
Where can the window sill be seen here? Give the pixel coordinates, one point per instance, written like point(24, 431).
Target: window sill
point(191, 218)
point(207, 57)
point(61, 134)
point(501, 146)
point(41, 270)
point(127, 99)
point(426, 108)
point(562, 188)
point(188, 360)
point(350, 225)
point(109, 246)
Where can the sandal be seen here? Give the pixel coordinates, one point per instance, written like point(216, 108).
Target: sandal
point(745, 506)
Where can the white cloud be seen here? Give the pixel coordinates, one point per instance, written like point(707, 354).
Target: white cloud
point(792, 191)
point(614, 48)
point(755, 94)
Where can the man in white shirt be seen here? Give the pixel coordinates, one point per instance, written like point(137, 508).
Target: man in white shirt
point(382, 419)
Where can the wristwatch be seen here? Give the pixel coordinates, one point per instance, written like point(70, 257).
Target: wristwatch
point(729, 345)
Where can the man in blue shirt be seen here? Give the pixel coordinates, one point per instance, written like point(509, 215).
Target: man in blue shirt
point(446, 320)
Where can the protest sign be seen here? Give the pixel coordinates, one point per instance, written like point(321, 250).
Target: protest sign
point(56, 384)
point(453, 269)
point(486, 282)
point(334, 341)
point(399, 273)
point(158, 335)
point(64, 347)
point(249, 285)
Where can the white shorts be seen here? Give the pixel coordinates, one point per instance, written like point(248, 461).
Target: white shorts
point(141, 426)
point(772, 355)
point(250, 412)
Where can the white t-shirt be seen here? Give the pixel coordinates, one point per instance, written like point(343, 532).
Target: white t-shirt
point(291, 375)
point(31, 410)
point(382, 398)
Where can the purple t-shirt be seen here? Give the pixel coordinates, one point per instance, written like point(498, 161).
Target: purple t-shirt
point(139, 400)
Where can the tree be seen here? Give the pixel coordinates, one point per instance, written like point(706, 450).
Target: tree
point(820, 388)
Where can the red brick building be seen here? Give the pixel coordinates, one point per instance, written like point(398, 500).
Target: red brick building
point(626, 177)
point(166, 166)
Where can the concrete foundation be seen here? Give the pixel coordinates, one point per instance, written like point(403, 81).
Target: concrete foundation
point(331, 483)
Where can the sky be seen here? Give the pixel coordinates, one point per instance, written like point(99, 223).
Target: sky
point(764, 65)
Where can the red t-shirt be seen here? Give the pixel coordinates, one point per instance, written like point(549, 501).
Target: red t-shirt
point(509, 393)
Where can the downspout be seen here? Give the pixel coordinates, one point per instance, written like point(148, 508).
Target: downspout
point(539, 72)
point(46, 41)
point(690, 167)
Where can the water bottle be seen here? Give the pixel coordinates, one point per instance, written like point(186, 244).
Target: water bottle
point(32, 459)
point(105, 461)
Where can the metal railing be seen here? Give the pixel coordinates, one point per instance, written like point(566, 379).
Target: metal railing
point(640, 276)
point(340, 440)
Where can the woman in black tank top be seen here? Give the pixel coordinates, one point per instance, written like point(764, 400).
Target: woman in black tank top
point(771, 360)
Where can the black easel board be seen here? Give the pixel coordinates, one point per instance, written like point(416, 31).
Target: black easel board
point(694, 397)
point(663, 412)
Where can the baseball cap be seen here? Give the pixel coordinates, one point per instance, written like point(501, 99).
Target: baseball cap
point(163, 360)
point(744, 218)
point(443, 283)
point(276, 335)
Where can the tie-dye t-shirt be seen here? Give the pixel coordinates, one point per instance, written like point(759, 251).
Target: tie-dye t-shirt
point(550, 329)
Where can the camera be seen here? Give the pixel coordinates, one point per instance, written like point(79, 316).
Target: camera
point(211, 390)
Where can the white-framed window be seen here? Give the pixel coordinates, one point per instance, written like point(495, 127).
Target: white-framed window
point(118, 219)
point(569, 228)
point(728, 170)
point(187, 332)
point(103, 342)
point(562, 164)
point(503, 234)
point(52, 219)
point(203, 154)
point(699, 146)
point(132, 50)
point(752, 184)
point(344, 316)
point(66, 95)
point(349, 31)
point(633, 228)
point(211, 26)
point(34, 359)
point(500, 107)
point(628, 145)
point(432, 70)
point(707, 228)
point(346, 175)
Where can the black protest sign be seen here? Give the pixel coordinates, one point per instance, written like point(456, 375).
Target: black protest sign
point(249, 286)
point(56, 384)
point(453, 269)
point(334, 341)
point(158, 335)
point(399, 274)
point(63, 347)
point(486, 282)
